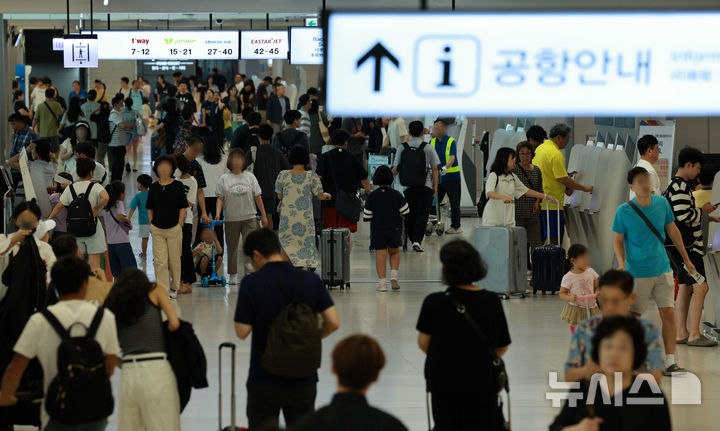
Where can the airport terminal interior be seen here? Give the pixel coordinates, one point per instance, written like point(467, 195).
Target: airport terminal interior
point(369, 67)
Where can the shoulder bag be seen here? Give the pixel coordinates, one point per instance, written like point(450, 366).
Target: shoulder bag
point(673, 262)
point(498, 365)
point(347, 205)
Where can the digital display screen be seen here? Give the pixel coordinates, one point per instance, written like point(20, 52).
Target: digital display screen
point(264, 44)
point(168, 45)
point(306, 45)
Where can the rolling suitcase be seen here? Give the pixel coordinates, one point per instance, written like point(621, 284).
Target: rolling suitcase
point(232, 426)
point(335, 257)
point(547, 263)
point(503, 250)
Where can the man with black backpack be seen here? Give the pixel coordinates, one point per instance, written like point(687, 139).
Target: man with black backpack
point(417, 164)
point(84, 199)
point(76, 344)
point(279, 304)
point(291, 136)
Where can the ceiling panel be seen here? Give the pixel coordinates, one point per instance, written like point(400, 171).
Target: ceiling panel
point(310, 6)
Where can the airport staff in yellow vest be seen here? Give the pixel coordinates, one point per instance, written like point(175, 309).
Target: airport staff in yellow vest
point(551, 161)
point(449, 169)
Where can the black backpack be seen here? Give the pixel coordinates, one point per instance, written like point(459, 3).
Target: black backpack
point(81, 390)
point(413, 167)
point(80, 219)
point(293, 346)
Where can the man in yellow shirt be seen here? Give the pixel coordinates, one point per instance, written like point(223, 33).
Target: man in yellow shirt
point(555, 178)
point(706, 179)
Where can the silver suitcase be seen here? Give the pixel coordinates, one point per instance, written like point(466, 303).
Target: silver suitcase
point(335, 255)
point(504, 250)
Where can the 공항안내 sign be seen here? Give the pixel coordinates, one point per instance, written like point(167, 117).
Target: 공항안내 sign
point(522, 63)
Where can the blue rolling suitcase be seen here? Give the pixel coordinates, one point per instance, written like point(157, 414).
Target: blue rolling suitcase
point(547, 263)
point(503, 250)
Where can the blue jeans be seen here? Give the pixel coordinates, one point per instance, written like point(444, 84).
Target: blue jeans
point(121, 257)
point(54, 425)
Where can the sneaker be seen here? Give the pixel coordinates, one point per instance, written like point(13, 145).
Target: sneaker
point(674, 369)
point(394, 283)
point(233, 279)
point(173, 294)
point(703, 341)
point(417, 247)
point(454, 231)
point(381, 287)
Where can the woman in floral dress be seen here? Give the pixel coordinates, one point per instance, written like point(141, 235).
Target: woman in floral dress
point(295, 189)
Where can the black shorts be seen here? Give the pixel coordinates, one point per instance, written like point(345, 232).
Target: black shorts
point(682, 274)
point(383, 239)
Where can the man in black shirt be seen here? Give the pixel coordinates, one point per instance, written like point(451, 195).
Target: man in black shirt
point(357, 361)
point(245, 136)
point(184, 97)
point(269, 162)
point(193, 149)
point(291, 136)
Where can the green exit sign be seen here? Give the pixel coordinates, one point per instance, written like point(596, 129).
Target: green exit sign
point(311, 22)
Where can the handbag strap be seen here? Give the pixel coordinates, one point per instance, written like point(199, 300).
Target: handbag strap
point(655, 232)
point(644, 218)
point(295, 298)
point(462, 310)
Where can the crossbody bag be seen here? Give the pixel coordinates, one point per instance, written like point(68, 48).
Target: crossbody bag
point(673, 261)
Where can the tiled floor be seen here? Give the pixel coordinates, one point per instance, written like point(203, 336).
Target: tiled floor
point(539, 345)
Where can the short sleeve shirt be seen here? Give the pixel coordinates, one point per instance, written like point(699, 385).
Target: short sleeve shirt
point(645, 255)
point(166, 203)
point(138, 203)
point(47, 116)
point(551, 162)
point(39, 339)
point(508, 185)
point(431, 158)
point(260, 300)
point(580, 285)
point(581, 345)
point(80, 187)
point(456, 358)
point(339, 166)
point(115, 233)
point(238, 193)
point(384, 208)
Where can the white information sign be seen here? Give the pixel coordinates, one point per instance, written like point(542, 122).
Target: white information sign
point(168, 45)
point(306, 45)
point(80, 51)
point(523, 63)
point(263, 44)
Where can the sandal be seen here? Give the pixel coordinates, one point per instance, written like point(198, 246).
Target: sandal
point(683, 341)
point(702, 341)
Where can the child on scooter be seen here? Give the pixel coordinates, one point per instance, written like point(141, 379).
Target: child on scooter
point(203, 253)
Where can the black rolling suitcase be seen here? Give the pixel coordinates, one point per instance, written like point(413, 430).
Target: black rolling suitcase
point(232, 426)
point(547, 263)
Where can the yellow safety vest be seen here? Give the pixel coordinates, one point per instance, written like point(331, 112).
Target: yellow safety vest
point(456, 167)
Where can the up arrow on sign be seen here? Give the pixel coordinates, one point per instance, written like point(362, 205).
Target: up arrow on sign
point(378, 52)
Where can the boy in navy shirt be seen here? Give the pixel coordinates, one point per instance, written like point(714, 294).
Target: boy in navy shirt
point(384, 209)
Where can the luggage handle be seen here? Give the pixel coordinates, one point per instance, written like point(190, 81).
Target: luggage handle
point(547, 220)
point(232, 385)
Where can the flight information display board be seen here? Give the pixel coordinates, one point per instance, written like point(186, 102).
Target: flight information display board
point(306, 45)
point(264, 45)
point(168, 45)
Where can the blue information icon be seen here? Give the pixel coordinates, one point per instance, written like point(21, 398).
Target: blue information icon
point(446, 65)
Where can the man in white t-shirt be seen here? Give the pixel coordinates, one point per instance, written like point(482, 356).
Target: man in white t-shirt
point(85, 150)
point(40, 340)
point(649, 154)
point(92, 246)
